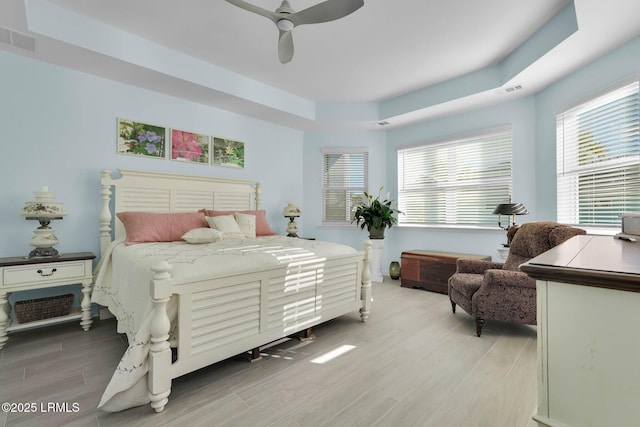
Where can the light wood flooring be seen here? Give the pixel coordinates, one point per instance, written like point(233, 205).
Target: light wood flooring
point(414, 363)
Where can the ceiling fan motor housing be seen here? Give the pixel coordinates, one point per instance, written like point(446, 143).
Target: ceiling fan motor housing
point(285, 25)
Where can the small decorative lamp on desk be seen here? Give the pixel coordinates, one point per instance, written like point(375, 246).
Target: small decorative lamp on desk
point(291, 211)
point(44, 209)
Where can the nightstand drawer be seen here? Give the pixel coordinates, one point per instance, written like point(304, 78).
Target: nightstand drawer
point(50, 272)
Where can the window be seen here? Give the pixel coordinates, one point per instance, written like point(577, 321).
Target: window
point(455, 182)
point(344, 181)
point(598, 162)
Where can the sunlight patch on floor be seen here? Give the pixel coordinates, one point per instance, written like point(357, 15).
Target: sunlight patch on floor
point(333, 354)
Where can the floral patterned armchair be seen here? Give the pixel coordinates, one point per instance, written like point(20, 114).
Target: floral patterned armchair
point(500, 291)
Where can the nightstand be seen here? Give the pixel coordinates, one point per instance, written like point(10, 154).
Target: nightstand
point(22, 274)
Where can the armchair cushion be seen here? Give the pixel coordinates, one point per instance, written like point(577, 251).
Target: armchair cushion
point(466, 283)
point(475, 266)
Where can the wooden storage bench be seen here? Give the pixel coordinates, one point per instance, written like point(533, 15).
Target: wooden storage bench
point(430, 270)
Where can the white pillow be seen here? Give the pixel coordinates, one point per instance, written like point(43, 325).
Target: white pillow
point(227, 225)
point(202, 235)
point(247, 224)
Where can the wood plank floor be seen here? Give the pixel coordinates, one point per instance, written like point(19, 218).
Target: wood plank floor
point(414, 363)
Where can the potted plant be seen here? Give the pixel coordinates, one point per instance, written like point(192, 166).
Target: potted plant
point(376, 215)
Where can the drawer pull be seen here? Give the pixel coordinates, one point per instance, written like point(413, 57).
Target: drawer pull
point(53, 270)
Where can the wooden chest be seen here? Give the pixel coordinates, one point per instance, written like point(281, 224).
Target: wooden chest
point(430, 270)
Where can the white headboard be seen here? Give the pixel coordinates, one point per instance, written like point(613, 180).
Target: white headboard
point(143, 191)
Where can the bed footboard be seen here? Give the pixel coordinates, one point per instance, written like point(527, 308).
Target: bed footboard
point(224, 317)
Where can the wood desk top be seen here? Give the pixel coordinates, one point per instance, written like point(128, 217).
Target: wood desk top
point(602, 261)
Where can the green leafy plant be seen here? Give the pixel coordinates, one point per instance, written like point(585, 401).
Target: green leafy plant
point(374, 213)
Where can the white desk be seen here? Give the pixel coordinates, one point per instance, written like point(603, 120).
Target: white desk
point(588, 301)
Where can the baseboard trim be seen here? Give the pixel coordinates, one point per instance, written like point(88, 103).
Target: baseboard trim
point(547, 422)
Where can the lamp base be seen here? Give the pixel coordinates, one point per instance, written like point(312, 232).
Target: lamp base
point(292, 228)
point(43, 240)
point(44, 252)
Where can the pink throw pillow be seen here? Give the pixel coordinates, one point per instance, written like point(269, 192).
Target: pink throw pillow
point(262, 226)
point(144, 227)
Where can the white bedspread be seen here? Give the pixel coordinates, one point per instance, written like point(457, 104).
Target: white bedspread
point(123, 285)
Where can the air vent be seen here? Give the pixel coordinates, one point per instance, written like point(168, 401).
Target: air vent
point(513, 88)
point(19, 40)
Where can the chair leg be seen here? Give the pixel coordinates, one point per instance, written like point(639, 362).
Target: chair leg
point(453, 306)
point(479, 325)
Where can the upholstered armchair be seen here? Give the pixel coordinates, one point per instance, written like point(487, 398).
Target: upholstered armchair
point(500, 291)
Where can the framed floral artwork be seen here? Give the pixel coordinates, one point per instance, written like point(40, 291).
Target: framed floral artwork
point(141, 139)
point(189, 146)
point(227, 152)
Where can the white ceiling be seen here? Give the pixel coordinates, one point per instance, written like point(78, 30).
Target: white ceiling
point(382, 51)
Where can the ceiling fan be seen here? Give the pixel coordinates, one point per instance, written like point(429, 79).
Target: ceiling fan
point(286, 18)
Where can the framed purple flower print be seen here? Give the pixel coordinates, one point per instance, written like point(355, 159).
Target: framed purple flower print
point(141, 139)
point(189, 147)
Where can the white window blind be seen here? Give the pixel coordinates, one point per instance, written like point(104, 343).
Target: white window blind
point(455, 182)
point(344, 181)
point(598, 159)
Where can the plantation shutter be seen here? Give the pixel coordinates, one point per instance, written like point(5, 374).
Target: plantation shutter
point(457, 181)
point(598, 159)
point(344, 181)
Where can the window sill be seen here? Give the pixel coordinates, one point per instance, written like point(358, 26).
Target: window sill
point(336, 225)
point(599, 231)
point(450, 227)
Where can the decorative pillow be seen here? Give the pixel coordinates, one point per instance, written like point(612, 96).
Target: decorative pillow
point(262, 226)
point(144, 227)
point(247, 224)
point(227, 225)
point(202, 235)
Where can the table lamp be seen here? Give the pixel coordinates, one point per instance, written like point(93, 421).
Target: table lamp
point(291, 211)
point(44, 209)
point(511, 210)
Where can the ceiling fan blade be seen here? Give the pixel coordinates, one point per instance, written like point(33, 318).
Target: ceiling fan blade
point(255, 9)
point(326, 11)
point(285, 46)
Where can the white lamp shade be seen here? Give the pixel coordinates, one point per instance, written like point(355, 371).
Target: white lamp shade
point(291, 210)
point(45, 206)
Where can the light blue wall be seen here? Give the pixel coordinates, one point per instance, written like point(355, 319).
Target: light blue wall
point(58, 128)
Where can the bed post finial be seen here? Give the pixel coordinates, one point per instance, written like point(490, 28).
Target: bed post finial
point(105, 213)
point(365, 293)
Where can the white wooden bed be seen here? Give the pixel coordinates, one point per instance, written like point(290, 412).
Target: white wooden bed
point(339, 285)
